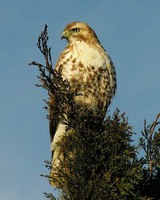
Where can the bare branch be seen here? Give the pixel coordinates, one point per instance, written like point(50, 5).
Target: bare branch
point(154, 124)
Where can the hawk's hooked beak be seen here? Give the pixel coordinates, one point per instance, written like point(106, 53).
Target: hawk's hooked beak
point(65, 35)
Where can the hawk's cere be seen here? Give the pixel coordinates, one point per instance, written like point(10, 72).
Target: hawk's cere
point(89, 70)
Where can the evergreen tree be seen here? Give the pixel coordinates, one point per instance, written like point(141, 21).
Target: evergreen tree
point(100, 160)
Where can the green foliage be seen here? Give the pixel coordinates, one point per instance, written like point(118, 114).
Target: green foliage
point(150, 143)
point(100, 161)
point(49, 196)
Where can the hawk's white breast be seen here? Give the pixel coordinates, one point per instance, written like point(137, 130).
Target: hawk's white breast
point(87, 68)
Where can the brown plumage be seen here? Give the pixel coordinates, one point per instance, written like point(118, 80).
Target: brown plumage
point(90, 71)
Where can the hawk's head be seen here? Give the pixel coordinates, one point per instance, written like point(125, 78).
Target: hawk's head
point(78, 31)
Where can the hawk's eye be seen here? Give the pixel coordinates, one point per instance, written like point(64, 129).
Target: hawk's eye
point(76, 30)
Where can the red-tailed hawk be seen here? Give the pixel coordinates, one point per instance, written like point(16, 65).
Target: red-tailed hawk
point(89, 70)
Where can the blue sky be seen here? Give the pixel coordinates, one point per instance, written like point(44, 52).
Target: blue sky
point(128, 29)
